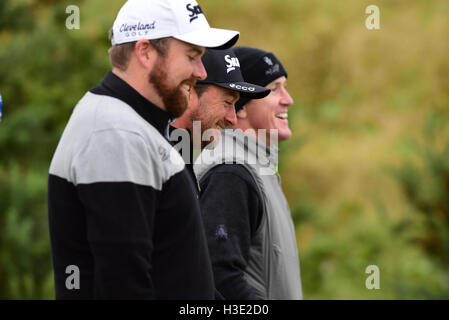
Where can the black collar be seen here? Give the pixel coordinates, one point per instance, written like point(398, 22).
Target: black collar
point(189, 164)
point(115, 87)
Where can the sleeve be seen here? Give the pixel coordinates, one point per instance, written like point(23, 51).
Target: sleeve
point(231, 209)
point(118, 188)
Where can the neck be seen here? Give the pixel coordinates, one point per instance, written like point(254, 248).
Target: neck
point(184, 122)
point(250, 131)
point(257, 150)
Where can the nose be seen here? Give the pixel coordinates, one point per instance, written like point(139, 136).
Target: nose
point(199, 71)
point(231, 117)
point(286, 99)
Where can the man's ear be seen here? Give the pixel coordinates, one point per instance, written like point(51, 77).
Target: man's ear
point(242, 114)
point(145, 53)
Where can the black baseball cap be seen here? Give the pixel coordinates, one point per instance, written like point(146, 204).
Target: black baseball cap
point(223, 70)
point(258, 66)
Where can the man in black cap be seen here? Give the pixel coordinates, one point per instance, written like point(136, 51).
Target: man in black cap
point(248, 225)
point(212, 103)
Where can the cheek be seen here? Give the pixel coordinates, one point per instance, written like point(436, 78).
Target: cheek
point(176, 73)
point(221, 114)
point(209, 119)
point(214, 111)
point(206, 116)
point(258, 120)
point(261, 116)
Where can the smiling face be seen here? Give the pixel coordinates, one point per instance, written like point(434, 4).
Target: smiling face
point(271, 112)
point(216, 109)
point(175, 73)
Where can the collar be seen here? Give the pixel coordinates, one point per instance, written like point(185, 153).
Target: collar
point(267, 156)
point(257, 147)
point(115, 87)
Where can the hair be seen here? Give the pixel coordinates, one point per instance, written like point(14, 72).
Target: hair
point(200, 88)
point(120, 54)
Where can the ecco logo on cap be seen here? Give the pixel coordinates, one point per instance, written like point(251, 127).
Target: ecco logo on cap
point(239, 87)
point(232, 63)
point(195, 11)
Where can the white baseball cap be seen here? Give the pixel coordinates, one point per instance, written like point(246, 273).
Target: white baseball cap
point(181, 19)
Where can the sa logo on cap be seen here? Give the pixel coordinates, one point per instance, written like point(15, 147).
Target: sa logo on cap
point(195, 11)
point(233, 63)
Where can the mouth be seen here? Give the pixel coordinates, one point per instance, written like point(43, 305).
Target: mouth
point(282, 115)
point(220, 125)
point(186, 87)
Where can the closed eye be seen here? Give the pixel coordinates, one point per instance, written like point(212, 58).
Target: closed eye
point(195, 53)
point(276, 88)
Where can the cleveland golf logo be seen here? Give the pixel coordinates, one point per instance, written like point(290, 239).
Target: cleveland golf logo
point(137, 27)
point(195, 11)
point(233, 63)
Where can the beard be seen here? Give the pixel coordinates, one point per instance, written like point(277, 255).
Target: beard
point(174, 98)
point(207, 122)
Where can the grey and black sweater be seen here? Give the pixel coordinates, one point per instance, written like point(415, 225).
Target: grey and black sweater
point(122, 206)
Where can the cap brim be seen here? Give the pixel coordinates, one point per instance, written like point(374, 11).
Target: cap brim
point(211, 38)
point(246, 89)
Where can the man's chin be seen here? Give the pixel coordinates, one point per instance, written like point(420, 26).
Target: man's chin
point(176, 112)
point(176, 105)
point(212, 137)
point(284, 134)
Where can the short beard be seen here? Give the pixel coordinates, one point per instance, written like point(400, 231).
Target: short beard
point(198, 115)
point(174, 99)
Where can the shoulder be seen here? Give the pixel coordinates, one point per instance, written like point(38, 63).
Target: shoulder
point(114, 116)
point(106, 140)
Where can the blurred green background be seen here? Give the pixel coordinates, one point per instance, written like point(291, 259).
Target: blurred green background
point(366, 172)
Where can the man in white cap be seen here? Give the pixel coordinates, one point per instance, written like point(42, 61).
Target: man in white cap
point(124, 218)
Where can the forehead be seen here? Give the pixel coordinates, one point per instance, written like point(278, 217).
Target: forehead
point(232, 94)
point(220, 92)
point(181, 45)
point(279, 81)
